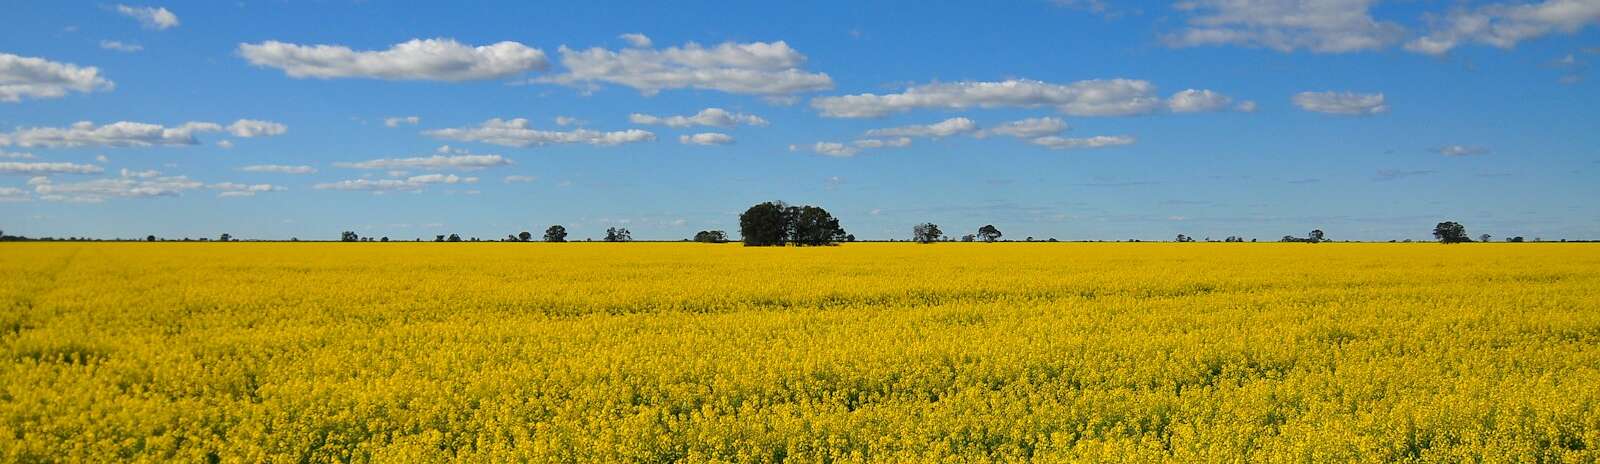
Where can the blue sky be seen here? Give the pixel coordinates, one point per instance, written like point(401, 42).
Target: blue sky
point(1079, 120)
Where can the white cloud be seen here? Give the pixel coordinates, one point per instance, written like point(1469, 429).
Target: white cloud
point(28, 77)
point(279, 169)
point(716, 117)
point(835, 149)
point(462, 162)
point(121, 47)
point(1194, 101)
point(1460, 150)
point(431, 59)
point(1099, 141)
point(117, 134)
point(568, 121)
point(413, 183)
point(248, 128)
point(1503, 25)
point(16, 155)
point(1028, 128)
point(98, 190)
point(1246, 106)
point(13, 194)
point(898, 142)
point(231, 189)
point(1343, 103)
point(758, 68)
point(706, 138)
point(396, 121)
point(637, 40)
point(39, 169)
point(147, 174)
point(225, 144)
point(840, 150)
point(520, 179)
point(518, 133)
point(150, 17)
point(1101, 97)
point(1322, 26)
point(945, 128)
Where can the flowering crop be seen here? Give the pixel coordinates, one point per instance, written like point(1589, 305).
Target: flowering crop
point(496, 352)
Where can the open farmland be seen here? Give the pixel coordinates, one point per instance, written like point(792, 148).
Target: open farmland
point(495, 352)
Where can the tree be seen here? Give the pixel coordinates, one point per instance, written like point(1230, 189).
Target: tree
point(774, 223)
point(926, 232)
point(1517, 239)
point(438, 238)
point(149, 238)
point(348, 236)
point(453, 238)
point(225, 238)
point(969, 237)
point(813, 226)
point(989, 233)
point(555, 233)
point(711, 236)
point(618, 234)
point(1185, 238)
point(524, 236)
point(1450, 232)
point(385, 239)
point(1316, 236)
point(1484, 238)
point(765, 224)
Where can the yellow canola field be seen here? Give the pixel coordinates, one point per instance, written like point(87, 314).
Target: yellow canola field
point(641, 352)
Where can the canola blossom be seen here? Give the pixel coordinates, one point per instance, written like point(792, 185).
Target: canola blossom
point(658, 352)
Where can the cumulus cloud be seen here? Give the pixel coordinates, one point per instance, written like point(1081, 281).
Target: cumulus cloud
point(841, 150)
point(1321, 26)
point(418, 59)
point(756, 68)
point(898, 142)
point(279, 169)
point(835, 149)
point(248, 128)
point(117, 134)
point(16, 155)
point(410, 184)
point(146, 174)
point(1195, 101)
point(28, 77)
point(41, 169)
point(637, 40)
point(568, 121)
point(460, 162)
point(150, 17)
point(1460, 150)
point(945, 128)
point(715, 117)
point(1028, 128)
point(98, 190)
point(13, 194)
point(520, 179)
point(1100, 97)
point(1503, 25)
point(518, 133)
point(121, 47)
point(225, 144)
point(1099, 141)
point(396, 121)
point(231, 189)
point(706, 138)
point(1342, 103)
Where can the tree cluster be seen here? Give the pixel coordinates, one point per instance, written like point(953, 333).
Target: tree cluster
point(777, 224)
